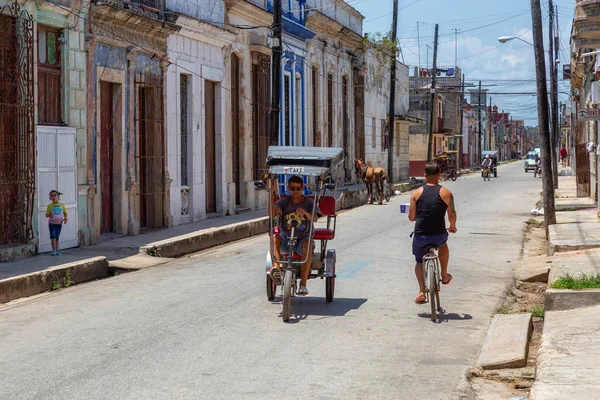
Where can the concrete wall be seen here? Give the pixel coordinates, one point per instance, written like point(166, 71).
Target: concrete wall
point(199, 61)
point(340, 12)
point(211, 11)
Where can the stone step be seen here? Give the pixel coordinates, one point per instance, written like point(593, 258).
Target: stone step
point(507, 342)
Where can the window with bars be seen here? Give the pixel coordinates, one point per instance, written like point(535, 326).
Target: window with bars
point(49, 87)
point(184, 129)
point(373, 132)
point(384, 136)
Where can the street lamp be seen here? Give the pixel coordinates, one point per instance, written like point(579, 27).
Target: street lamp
point(504, 39)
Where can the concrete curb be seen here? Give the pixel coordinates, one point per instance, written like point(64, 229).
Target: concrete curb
point(197, 241)
point(354, 198)
point(43, 281)
point(565, 299)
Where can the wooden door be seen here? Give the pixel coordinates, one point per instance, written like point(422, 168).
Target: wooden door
point(210, 156)
point(106, 157)
point(235, 124)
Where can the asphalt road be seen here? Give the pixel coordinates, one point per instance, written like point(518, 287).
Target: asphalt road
point(202, 327)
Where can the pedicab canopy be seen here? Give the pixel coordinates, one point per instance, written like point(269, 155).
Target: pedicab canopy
point(306, 161)
point(492, 153)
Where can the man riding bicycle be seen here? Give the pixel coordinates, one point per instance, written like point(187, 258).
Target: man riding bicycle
point(428, 207)
point(295, 207)
point(487, 163)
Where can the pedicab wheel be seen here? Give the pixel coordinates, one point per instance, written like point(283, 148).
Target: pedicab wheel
point(454, 177)
point(287, 296)
point(329, 288)
point(271, 288)
point(432, 294)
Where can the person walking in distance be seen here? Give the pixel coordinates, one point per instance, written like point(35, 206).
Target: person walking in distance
point(56, 213)
point(428, 207)
point(563, 156)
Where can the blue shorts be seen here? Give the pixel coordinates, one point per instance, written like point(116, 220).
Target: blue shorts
point(420, 241)
point(54, 230)
point(285, 248)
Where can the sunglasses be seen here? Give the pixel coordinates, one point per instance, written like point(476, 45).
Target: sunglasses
point(295, 188)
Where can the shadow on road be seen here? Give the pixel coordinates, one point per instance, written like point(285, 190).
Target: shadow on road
point(448, 317)
point(315, 306)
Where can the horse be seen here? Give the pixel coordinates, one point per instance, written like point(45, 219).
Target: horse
point(371, 175)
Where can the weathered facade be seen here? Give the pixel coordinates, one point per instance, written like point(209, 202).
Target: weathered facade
point(206, 156)
point(42, 121)
point(128, 177)
point(447, 111)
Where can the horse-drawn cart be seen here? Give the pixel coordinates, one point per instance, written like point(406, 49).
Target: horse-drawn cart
point(447, 162)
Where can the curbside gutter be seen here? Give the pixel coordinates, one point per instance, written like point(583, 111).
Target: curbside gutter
point(42, 281)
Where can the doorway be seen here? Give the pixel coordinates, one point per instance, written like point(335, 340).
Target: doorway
point(235, 125)
point(151, 155)
point(210, 156)
point(106, 157)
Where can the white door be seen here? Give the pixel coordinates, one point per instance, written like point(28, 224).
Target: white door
point(57, 170)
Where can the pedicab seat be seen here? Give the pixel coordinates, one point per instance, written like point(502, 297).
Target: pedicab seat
point(327, 207)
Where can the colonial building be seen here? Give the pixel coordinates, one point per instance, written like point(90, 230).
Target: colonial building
point(128, 177)
point(204, 105)
point(42, 122)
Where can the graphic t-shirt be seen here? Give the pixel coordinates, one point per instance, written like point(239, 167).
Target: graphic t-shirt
point(56, 211)
point(288, 214)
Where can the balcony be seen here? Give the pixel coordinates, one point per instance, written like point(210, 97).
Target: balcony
point(586, 24)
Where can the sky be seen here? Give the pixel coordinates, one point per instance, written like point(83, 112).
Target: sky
point(502, 68)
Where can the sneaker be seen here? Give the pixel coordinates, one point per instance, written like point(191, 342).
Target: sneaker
point(302, 291)
point(58, 253)
point(275, 274)
point(54, 253)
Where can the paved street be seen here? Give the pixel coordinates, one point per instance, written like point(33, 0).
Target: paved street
point(202, 327)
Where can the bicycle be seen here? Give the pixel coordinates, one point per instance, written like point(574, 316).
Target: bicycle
point(433, 278)
point(485, 173)
point(387, 191)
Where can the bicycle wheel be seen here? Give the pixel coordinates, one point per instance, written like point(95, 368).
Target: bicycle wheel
point(287, 295)
point(432, 290)
point(387, 192)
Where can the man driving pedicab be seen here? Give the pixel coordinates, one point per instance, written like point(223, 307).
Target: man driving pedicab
point(295, 207)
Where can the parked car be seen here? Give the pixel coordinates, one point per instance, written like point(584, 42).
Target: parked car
point(530, 161)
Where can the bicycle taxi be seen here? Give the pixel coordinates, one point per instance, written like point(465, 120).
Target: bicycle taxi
point(319, 167)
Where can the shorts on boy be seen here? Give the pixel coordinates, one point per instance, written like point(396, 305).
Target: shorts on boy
point(284, 249)
point(420, 241)
point(54, 231)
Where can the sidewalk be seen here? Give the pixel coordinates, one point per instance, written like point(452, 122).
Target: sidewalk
point(570, 345)
point(120, 247)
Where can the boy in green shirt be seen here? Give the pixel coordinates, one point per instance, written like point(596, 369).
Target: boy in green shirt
point(57, 215)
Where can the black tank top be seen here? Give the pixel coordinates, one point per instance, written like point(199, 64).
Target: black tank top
point(431, 212)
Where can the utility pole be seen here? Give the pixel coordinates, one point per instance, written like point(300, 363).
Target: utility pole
point(553, 95)
point(277, 49)
point(392, 111)
point(490, 114)
point(432, 111)
point(455, 47)
point(479, 122)
point(462, 116)
point(419, 47)
point(542, 102)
